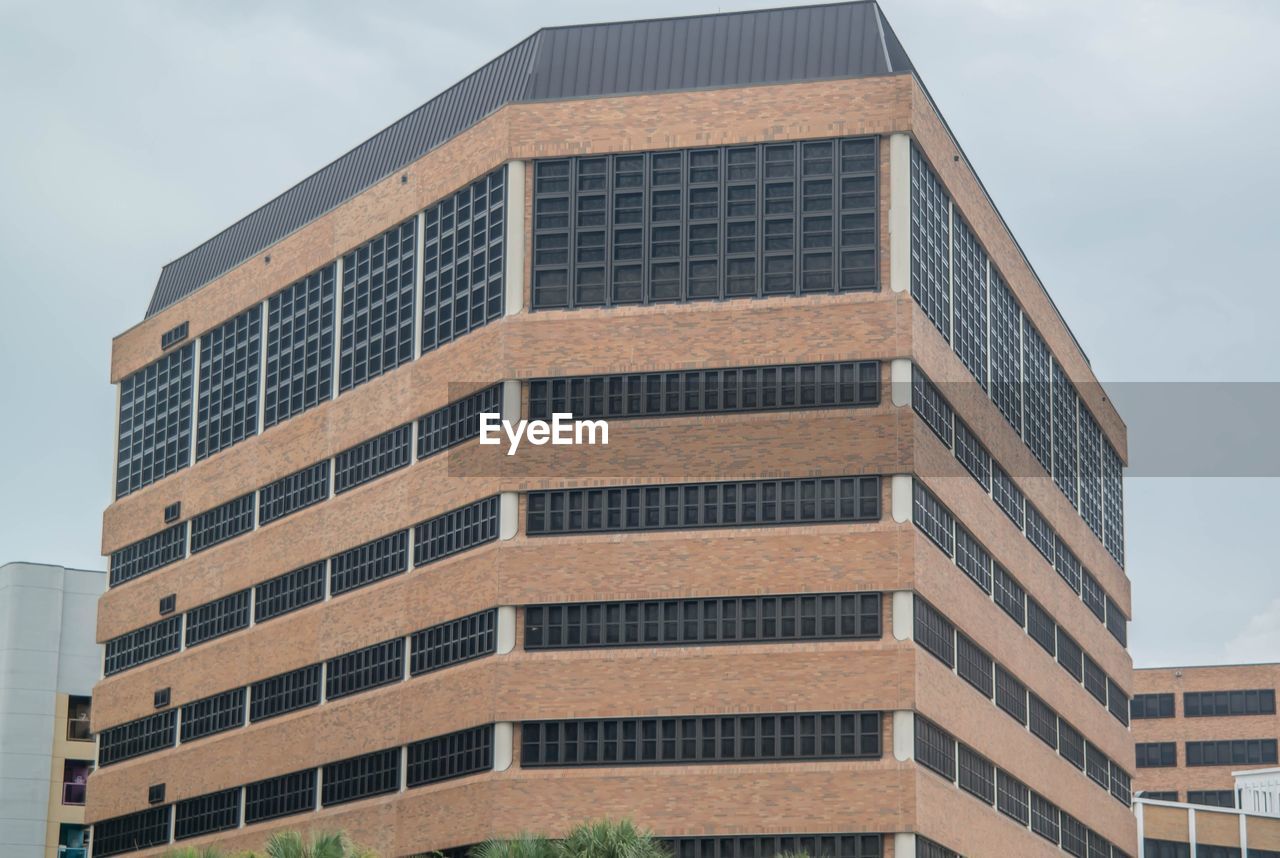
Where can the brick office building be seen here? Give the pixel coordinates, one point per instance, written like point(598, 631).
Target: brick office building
point(751, 243)
point(1194, 726)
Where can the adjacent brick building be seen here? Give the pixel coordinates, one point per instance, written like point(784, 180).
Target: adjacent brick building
point(1194, 726)
point(847, 578)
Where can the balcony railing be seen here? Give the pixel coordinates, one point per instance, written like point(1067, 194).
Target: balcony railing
point(73, 794)
point(78, 729)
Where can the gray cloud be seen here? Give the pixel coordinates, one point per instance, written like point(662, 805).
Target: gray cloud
point(1127, 143)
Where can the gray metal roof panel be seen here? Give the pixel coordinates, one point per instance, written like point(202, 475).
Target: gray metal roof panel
point(658, 55)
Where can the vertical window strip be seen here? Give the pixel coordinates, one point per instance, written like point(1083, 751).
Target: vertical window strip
point(300, 333)
point(227, 410)
point(377, 306)
point(154, 428)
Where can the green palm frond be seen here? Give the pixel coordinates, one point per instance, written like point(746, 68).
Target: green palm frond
point(521, 846)
point(605, 838)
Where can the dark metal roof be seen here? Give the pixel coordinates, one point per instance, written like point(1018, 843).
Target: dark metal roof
point(660, 55)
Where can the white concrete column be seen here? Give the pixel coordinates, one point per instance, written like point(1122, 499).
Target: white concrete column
point(1138, 807)
point(508, 515)
point(504, 738)
point(904, 615)
point(904, 735)
point(900, 212)
point(904, 845)
point(900, 382)
point(1191, 829)
point(513, 240)
point(506, 631)
point(901, 492)
point(511, 399)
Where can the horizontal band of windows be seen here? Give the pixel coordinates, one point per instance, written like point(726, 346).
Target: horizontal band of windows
point(701, 739)
point(137, 738)
point(148, 554)
point(1232, 752)
point(928, 402)
point(143, 645)
point(940, 525)
point(767, 845)
point(939, 636)
point(941, 753)
point(1218, 704)
point(747, 503)
point(679, 622)
point(707, 391)
point(439, 758)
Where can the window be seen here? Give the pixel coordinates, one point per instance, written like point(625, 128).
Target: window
point(227, 409)
point(1116, 623)
point(1073, 835)
point(656, 394)
point(1006, 350)
point(1121, 784)
point(1113, 502)
point(1042, 720)
point(1036, 401)
point(976, 774)
point(285, 692)
point(1090, 472)
point(1065, 457)
point(148, 555)
point(1009, 595)
point(1151, 706)
point(300, 329)
point(935, 632)
point(207, 813)
point(457, 530)
point(969, 299)
point(462, 274)
point(926, 848)
point(1117, 702)
point(1008, 496)
point(280, 796)
point(172, 512)
point(1044, 817)
point(1070, 655)
point(370, 562)
point(1098, 845)
point(174, 335)
point(1169, 849)
point(289, 591)
point(701, 739)
point(1095, 681)
point(1041, 627)
point(934, 519)
point(78, 717)
point(213, 715)
point(453, 642)
point(970, 453)
point(160, 699)
point(136, 738)
point(366, 668)
point(1154, 755)
point(974, 665)
point(1011, 695)
point(1205, 704)
point(222, 523)
point(377, 306)
point(218, 618)
point(465, 752)
point(373, 458)
point(132, 832)
point(1094, 599)
point(1233, 752)
point(1013, 799)
point(142, 645)
point(155, 421)
point(761, 846)
point(456, 422)
point(360, 777)
point(930, 405)
point(297, 491)
point(692, 505)
point(930, 244)
point(1066, 563)
point(168, 604)
point(752, 619)
point(973, 559)
point(935, 748)
point(1210, 797)
point(1171, 795)
point(1097, 765)
point(1070, 744)
point(684, 225)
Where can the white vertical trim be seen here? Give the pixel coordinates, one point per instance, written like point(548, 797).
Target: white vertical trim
point(510, 399)
point(900, 212)
point(404, 767)
point(904, 845)
point(1191, 829)
point(173, 817)
point(903, 606)
point(508, 515)
point(1137, 811)
point(419, 242)
point(904, 735)
point(901, 494)
point(320, 782)
point(253, 605)
point(177, 722)
point(504, 740)
point(513, 239)
point(900, 382)
point(244, 794)
point(505, 634)
point(328, 576)
point(1244, 835)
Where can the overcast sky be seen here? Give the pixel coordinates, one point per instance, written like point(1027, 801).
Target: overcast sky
point(1130, 144)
